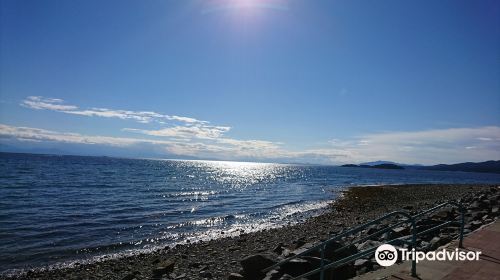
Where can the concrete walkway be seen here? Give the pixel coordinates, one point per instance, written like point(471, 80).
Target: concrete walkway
point(486, 240)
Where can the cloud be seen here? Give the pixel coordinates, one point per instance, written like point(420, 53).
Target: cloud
point(55, 104)
point(222, 149)
point(427, 146)
point(195, 131)
point(187, 136)
point(40, 103)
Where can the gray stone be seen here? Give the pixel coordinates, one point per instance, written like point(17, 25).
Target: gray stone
point(273, 275)
point(235, 276)
point(129, 276)
point(253, 265)
point(361, 263)
point(205, 274)
point(295, 267)
point(164, 267)
point(368, 244)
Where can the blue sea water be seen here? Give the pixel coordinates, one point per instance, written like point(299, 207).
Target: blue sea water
point(55, 210)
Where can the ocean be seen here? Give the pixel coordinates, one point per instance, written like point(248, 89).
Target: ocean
point(58, 210)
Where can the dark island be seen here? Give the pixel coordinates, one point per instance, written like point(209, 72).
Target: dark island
point(491, 166)
point(379, 166)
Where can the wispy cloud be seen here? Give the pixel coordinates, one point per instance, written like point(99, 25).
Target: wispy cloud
point(58, 105)
point(223, 149)
point(194, 131)
point(427, 146)
point(40, 103)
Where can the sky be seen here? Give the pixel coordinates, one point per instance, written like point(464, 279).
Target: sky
point(325, 82)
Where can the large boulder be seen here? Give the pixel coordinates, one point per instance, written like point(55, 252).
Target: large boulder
point(368, 244)
point(235, 276)
point(273, 275)
point(253, 265)
point(295, 267)
point(334, 253)
point(164, 267)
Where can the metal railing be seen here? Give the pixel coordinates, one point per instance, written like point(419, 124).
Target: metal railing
point(400, 240)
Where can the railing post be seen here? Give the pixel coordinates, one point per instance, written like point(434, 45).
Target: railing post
point(462, 222)
point(322, 273)
point(414, 246)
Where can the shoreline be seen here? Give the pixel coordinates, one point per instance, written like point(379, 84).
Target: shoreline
point(216, 259)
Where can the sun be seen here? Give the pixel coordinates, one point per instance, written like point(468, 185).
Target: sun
point(244, 7)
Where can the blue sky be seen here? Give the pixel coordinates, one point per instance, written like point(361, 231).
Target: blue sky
point(276, 80)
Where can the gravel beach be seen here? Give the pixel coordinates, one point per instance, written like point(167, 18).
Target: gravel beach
point(217, 259)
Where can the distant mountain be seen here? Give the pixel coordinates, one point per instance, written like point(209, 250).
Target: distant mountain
point(372, 163)
point(380, 166)
point(378, 162)
point(387, 166)
point(492, 166)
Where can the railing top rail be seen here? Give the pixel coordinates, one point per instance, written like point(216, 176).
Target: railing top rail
point(358, 228)
point(453, 203)
point(338, 236)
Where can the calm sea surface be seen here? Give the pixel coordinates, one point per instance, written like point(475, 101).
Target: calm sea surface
point(59, 209)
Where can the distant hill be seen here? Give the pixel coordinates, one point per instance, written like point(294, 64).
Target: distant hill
point(379, 166)
point(379, 162)
point(387, 166)
point(492, 166)
point(372, 163)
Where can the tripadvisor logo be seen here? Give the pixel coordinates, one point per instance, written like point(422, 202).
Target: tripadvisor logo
point(387, 255)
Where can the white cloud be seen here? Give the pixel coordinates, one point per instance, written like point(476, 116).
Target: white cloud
point(427, 146)
point(194, 131)
point(55, 104)
point(226, 149)
point(40, 103)
point(192, 137)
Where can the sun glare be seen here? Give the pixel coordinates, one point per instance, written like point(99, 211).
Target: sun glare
point(244, 7)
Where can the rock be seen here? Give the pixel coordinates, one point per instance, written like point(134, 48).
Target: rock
point(332, 246)
point(164, 267)
point(475, 224)
point(129, 276)
point(273, 275)
point(205, 274)
point(304, 248)
point(438, 241)
point(389, 235)
point(279, 249)
point(235, 276)
point(401, 231)
point(479, 215)
point(253, 265)
point(371, 229)
point(368, 244)
point(444, 214)
point(424, 245)
point(361, 263)
point(361, 271)
point(286, 253)
point(299, 243)
point(295, 267)
point(194, 265)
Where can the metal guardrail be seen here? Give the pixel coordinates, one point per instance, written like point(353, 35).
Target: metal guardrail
point(409, 219)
